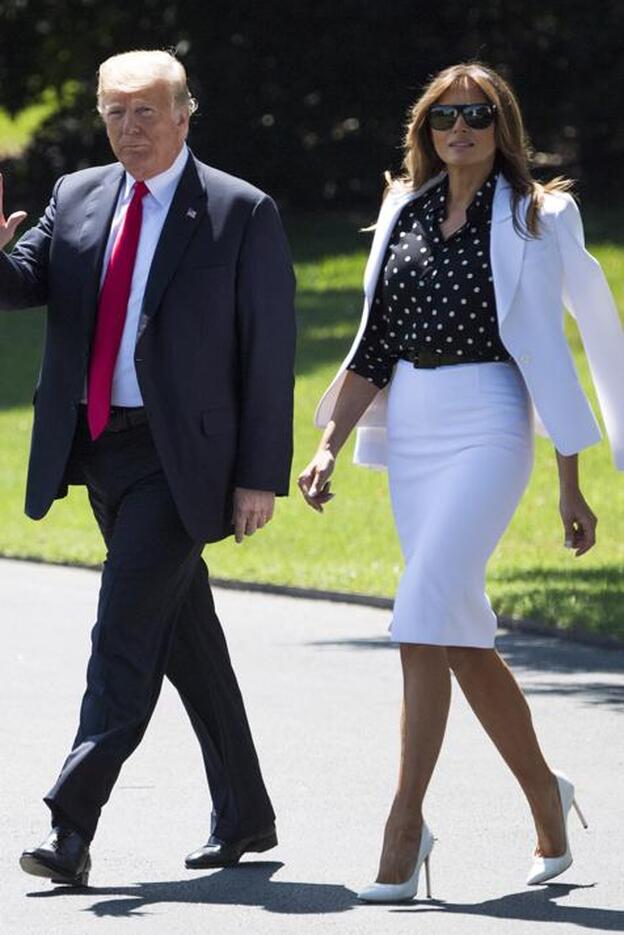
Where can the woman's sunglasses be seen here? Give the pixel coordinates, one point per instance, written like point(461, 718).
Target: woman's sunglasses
point(477, 116)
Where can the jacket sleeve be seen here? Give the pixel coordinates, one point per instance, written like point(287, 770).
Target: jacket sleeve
point(24, 271)
point(587, 296)
point(266, 334)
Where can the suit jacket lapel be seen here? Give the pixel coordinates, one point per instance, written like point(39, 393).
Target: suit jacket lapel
point(185, 214)
point(506, 249)
point(99, 210)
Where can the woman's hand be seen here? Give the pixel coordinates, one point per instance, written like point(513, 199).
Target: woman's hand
point(355, 395)
point(579, 523)
point(314, 480)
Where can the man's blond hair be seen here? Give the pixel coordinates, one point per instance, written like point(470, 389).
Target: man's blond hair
point(132, 71)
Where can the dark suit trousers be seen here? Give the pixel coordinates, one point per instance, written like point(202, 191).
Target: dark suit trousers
point(155, 617)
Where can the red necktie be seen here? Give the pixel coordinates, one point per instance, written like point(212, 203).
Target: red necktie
point(111, 317)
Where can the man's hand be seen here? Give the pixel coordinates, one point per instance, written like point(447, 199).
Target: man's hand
point(8, 226)
point(252, 510)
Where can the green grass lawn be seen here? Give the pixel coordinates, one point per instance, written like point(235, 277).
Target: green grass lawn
point(352, 547)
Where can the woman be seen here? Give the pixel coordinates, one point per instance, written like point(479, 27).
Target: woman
point(461, 339)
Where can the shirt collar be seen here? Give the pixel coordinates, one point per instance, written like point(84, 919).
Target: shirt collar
point(481, 204)
point(163, 185)
point(482, 201)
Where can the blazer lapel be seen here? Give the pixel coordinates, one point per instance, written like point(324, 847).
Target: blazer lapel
point(506, 250)
point(390, 210)
point(388, 215)
point(185, 214)
point(93, 237)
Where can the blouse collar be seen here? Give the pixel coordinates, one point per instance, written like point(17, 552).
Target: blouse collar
point(479, 207)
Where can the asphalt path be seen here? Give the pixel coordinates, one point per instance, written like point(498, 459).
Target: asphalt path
point(322, 688)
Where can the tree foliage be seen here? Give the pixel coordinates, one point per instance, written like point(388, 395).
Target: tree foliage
point(308, 100)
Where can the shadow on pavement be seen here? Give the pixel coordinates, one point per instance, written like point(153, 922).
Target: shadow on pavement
point(251, 886)
point(538, 655)
point(563, 660)
point(530, 906)
point(248, 885)
point(546, 653)
point(600, 693)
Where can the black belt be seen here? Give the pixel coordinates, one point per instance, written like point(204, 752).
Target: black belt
point(122, 418)
point(429, 360)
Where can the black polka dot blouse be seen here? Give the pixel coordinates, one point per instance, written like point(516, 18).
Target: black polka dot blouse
point(434, 298)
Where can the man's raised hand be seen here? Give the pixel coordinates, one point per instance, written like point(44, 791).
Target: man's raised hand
point(9, 225)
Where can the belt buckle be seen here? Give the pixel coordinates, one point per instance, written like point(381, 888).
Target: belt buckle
point(122, 418)
point(427, 360)
point(116, 421)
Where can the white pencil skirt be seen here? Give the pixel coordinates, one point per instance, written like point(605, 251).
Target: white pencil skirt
point(460, 453)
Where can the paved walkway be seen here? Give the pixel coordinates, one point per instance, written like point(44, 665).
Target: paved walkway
point(322, 689)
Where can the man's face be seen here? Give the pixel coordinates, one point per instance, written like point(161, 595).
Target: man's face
point(145, 130)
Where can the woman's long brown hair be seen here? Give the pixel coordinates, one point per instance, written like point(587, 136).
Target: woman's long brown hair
point(513, 152)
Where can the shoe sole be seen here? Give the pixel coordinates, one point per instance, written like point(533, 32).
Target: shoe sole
point(38, 868)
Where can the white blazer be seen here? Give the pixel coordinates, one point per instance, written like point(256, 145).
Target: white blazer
point(533, 280)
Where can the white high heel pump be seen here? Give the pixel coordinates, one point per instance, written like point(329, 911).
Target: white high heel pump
point(393, 892)
point(545, 868)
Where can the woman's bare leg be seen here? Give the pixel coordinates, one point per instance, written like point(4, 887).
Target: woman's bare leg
point(426, 698)
point(496, 698)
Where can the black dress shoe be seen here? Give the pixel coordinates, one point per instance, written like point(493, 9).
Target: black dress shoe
point(63, 858)
point(218, 853)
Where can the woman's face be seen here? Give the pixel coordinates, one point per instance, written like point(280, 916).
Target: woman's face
point(462, 145)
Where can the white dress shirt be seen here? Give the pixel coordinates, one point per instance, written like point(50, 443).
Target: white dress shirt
point(125, 389)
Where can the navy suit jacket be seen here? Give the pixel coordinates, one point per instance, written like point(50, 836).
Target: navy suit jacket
point(215, 348)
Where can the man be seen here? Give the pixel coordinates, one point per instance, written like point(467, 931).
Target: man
point(166, 389)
